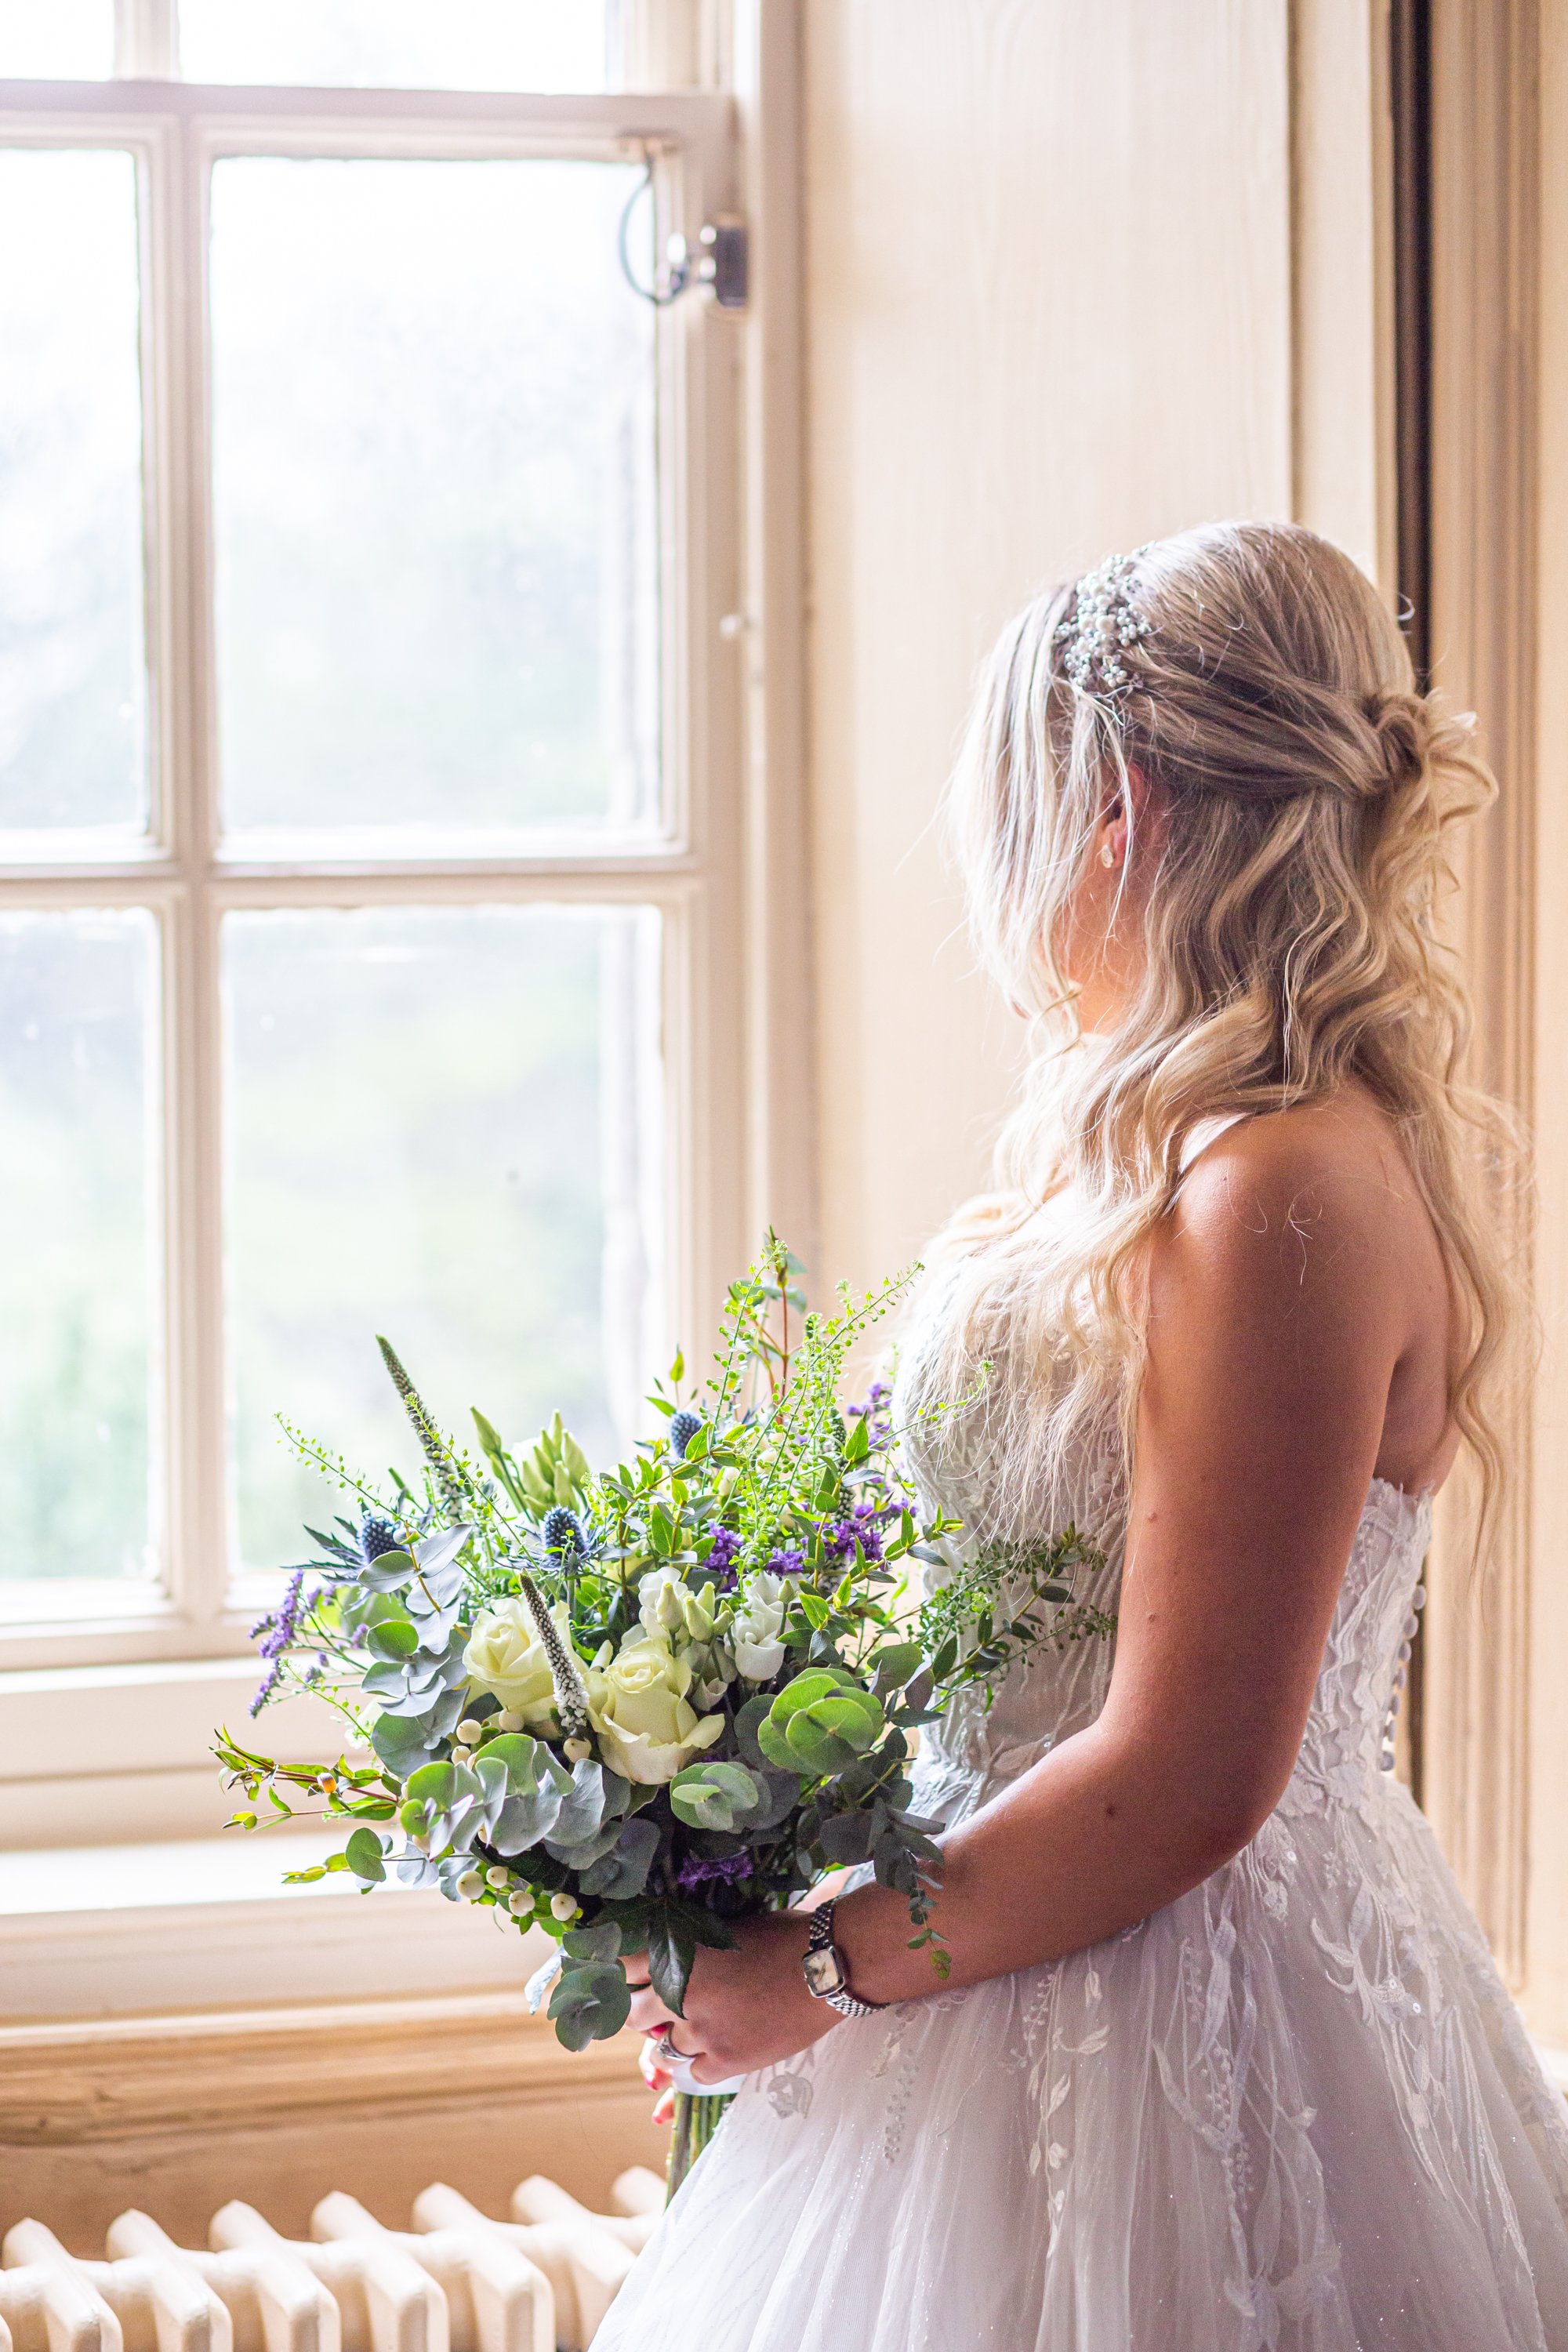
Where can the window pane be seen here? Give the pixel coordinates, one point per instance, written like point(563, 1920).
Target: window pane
point(440, 1124)
point(398, 44)
point(57, 40)
point(434, 452)
point(73, 670)
point(77, 992)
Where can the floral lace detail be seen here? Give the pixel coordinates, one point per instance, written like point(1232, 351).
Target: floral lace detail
point(1293, 2111)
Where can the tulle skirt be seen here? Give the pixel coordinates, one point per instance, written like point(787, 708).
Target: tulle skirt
point(1295, 2110)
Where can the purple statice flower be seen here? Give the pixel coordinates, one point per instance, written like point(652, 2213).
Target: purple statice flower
point(876, 1412)
point(789, 1561)
point(726, 1550)
point(280, 1627)
point(863, 1526)
point(279, 1630)
point(698, 1869)
point(270, 1682)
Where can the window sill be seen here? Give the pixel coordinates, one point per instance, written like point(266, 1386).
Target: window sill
point(206, 1923)
point(95, 1754)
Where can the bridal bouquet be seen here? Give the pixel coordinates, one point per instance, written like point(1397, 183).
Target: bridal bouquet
point(630, 1705)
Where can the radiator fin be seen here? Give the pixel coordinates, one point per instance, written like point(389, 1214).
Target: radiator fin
point(455, 2282)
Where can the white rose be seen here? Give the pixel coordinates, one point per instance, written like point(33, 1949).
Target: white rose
point(754, 1630)
point(712, 1671)
point(505, 1654)
point(661, 1597)
point(649, 1730)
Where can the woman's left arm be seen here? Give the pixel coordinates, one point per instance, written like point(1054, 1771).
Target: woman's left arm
point(1276, 1313)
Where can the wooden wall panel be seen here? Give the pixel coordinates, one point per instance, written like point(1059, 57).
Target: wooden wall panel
point(1546, 1981)
point(176, 2114)
point(1483, 491)
point(1048, 314)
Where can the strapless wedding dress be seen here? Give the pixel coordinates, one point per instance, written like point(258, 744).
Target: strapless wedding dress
point(1295, 2111)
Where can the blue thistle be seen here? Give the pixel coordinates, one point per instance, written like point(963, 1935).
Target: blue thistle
point(562, 1532)
point(377, 1536)
point(683, 1428)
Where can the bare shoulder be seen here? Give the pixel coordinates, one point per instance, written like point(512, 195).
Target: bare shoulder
point(1314, 1197)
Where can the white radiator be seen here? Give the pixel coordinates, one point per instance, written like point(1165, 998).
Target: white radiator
point(455, 2282)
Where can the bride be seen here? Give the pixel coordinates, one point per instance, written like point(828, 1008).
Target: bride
point(1221, 2061)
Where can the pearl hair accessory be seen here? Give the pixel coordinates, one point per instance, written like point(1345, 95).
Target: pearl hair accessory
point(1102, 626)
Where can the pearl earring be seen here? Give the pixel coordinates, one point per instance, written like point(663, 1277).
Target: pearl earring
point(1107, 854)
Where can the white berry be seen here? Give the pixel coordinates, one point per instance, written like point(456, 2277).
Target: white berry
point(564, 1905)
point(521, 1903)
point(470, 1883)
point(577, 1752)
point(469, 1732)
point(509, 1720)
point(499, 1875)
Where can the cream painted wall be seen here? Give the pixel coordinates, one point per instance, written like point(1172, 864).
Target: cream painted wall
point(1048, 313)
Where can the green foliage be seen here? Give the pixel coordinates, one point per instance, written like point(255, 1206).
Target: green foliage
point(821, 1723)
point(714, 1795)
point(755, 1566)
point(1005, 1602)
point(591, 2000)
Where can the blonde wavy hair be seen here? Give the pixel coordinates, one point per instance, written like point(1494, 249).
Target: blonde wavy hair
point(1308, 792)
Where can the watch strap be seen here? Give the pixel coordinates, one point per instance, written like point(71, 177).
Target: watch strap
point(819, 1938)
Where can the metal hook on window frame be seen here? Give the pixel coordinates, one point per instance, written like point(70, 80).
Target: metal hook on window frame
point(679, 276)
point(720, 263)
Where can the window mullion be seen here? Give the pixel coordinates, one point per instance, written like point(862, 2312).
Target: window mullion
point(199, 1562)
point(146, 41)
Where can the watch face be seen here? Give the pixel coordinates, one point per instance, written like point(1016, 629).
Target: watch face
point(823, 1973)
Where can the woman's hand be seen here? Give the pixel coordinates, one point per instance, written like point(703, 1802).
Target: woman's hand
point(745, 2008)
point(659, 2080)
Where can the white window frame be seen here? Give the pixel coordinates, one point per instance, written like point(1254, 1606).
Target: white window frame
point(726, 872)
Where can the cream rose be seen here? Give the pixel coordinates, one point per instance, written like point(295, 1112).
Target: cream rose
point(758, 1624)
point(505, 1654)
point(647, 1729)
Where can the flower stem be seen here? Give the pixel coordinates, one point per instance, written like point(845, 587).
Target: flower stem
point(697, 2118)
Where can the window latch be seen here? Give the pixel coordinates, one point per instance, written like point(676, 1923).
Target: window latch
point(717, 259)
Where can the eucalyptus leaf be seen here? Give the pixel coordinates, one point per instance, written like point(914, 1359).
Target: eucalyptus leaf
point(780, 1795)
point(601, 1940)
point(747, 1720)
point(386, 1574)
point(584, 1810)
point(394, 1638)
point(619, 1875)
point(591, 2002)
point(432, 1553)
point(366, 1855)
point(361, 1608)
point(714, 1795)
point(447, 1872)
point(537, 1784)
point(402, 1743)
point(579, 1853)
point(524, 1822)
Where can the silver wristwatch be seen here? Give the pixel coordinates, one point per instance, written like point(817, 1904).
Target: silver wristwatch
point(823, 1966)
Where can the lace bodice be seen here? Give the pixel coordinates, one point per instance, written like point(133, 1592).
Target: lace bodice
point(1349, 1740)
